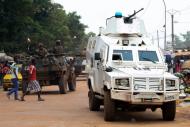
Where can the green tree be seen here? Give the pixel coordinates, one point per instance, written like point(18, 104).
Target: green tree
point(76, 30)
point(39, 20)
point(15, 17)
point(179, 44)
point(186, 38)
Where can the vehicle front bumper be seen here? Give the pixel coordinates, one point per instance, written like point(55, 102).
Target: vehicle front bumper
point(145, 97)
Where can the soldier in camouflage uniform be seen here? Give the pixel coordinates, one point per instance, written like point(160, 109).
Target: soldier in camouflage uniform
point(58, 49)
point(41, 51)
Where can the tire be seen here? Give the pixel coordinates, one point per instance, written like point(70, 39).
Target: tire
point(109, 107)
point(94, 103)
point(5, 89)
point(72, 83)
point(62, 85)
point(169, 111)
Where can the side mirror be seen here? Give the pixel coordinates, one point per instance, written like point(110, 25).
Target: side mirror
point(97, 56)
point(109, 69)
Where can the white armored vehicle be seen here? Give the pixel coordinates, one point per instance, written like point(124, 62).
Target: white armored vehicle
point(126, 71)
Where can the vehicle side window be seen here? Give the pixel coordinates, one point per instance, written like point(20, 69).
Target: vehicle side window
point(116, 57)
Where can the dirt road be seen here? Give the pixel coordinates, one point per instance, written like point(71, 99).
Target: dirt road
point(71, 110)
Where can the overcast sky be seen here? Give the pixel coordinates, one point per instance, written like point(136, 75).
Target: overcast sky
point(94, 13)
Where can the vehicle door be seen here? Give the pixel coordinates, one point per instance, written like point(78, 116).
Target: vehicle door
point(100, 67)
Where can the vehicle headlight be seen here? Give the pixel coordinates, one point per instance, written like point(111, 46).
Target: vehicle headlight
point(122, 82)
point(170, 83)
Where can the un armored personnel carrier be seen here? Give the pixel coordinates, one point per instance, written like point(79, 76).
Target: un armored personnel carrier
point(127, 71)
point(53, 70)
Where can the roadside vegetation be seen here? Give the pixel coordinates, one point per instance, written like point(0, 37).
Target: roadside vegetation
point(39, 21)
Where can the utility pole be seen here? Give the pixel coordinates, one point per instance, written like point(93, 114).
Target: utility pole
point(172, 13)
point(164, 25)
point(172, 17)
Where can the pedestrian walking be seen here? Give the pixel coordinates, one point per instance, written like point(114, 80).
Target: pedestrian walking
point(13, 70)
point(33, 85)
point(178, 66)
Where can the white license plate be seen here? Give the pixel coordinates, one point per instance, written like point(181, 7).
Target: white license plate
point(146, 96)
point(170, 97)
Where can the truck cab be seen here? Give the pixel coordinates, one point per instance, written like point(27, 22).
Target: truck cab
point(125, 70)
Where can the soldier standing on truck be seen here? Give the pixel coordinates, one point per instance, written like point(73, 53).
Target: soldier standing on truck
point(58, 49)
point(41, 51)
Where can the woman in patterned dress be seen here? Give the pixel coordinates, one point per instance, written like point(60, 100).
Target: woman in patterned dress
point(33, 85)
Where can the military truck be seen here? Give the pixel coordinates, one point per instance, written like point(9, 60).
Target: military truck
point(53, 70)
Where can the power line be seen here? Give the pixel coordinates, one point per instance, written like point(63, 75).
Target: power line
point(147, 6)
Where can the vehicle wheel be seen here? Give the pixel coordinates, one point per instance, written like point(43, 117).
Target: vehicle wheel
point(169, 110)
point(5, 89)
point(109, 107)
point(94, 103)
point(62, 85)
point(72, 83)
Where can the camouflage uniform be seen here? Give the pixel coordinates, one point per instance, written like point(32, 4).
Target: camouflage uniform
point(41, 51)
point(58, 49)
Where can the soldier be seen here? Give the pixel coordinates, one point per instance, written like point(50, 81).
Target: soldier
point(58, 49)
point(41, 51)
